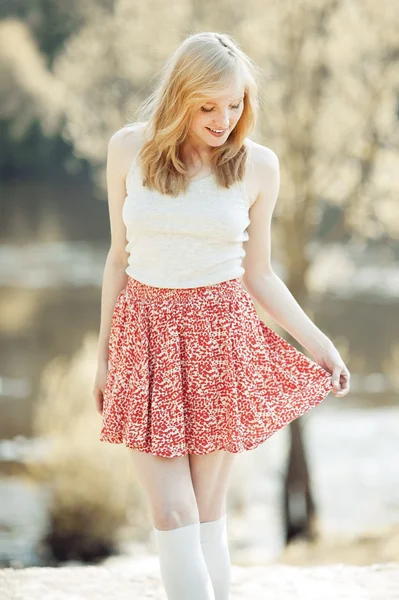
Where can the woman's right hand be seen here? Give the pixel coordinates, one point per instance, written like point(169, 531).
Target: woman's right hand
point(99, 385)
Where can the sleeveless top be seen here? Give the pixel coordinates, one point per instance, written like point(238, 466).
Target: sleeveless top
point(190, 240)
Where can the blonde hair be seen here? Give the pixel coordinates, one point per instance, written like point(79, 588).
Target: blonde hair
point(203, 64)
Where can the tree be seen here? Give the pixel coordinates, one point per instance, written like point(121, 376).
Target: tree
point(331, 110)
point(108, 68)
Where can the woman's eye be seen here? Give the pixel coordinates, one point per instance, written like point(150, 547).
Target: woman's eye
point(207, 110)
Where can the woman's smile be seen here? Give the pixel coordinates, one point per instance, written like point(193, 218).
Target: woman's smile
point(216, 132)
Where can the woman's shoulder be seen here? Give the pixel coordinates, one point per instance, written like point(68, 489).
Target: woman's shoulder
point(260, 155)
point(129, 137)
point(262, 168)
point(125, 144)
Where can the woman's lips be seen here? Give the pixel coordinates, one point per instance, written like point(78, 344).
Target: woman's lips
point(216, 134)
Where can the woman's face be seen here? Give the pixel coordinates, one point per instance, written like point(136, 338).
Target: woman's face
point(214, 121)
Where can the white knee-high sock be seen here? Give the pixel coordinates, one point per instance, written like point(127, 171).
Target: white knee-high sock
point(214, 542)
point(183, 568)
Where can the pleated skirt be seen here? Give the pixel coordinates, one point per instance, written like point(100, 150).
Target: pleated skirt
point(194, 370)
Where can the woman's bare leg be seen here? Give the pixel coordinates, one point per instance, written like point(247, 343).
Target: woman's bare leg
point(210, 475)
point(168, 486)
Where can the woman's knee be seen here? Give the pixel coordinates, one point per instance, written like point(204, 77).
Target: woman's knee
point(168, 486)
point(171, 515)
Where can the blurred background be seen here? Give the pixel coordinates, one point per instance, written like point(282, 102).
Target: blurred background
point(325, 489)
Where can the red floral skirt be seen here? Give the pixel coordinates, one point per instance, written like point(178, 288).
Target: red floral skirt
point(194, 370)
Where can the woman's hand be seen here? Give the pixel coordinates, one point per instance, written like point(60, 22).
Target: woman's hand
point(330, 359)
point(99, 385)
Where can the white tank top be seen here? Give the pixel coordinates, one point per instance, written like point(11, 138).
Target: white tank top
point(190, 240)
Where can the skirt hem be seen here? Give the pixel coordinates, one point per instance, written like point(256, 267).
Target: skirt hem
point(188, 450)
point(233, 448)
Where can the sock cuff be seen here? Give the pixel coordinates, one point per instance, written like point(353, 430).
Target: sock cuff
point(213, 530)
point(176, 538)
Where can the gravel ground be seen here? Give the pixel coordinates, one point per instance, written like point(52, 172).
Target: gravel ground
point(140, 580)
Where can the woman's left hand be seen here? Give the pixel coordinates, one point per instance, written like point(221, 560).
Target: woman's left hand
point(330, 359)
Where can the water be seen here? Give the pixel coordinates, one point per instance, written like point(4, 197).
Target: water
point(355, 482)
point(51, 298)
point(344, 271)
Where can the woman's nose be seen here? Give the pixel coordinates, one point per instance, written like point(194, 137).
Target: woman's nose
point(223, 122)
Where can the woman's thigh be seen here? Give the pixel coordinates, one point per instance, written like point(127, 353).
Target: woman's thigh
point(210, 476)
point(168, 487)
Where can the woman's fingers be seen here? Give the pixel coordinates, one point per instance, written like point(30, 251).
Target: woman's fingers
point(344, 380)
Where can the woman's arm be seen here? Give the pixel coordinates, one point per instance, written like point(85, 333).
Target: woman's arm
point(115, 277)
point(264, 285)
point(114, 281)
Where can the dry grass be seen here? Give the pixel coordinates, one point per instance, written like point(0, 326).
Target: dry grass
point(367, 549)
point(92, 484)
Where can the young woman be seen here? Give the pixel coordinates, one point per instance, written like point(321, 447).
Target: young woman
point(188, 374)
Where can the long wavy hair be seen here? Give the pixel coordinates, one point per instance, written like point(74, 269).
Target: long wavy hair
point(205, 63)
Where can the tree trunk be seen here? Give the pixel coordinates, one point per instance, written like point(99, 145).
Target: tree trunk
point(299, 508)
